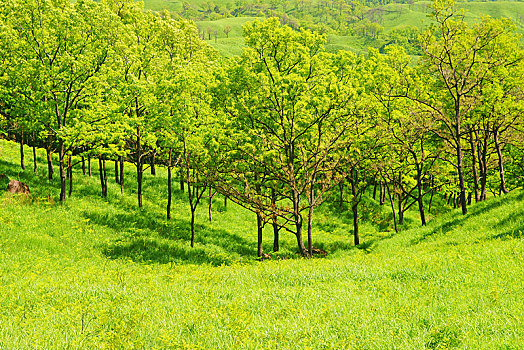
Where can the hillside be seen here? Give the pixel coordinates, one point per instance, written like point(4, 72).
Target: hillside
point(392, 17)
point(95, 273)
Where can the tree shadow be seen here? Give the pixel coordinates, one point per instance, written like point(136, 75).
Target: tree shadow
point(151, 238)
point(147, 250)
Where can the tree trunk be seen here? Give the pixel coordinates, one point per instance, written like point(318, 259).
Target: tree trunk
point(309, 231)
point(139, 165)
point(89, 165)
point(382, 193)
point(483, 168)
point(474, 168)
point(419, 197)
point(35, 165)
point(354, 206)
point(50, 169)
point(117, 180)
point(70, 172)
point(374, 190)
point(225, 201)
point(400, 202)
point(169, 167)
point(460, 169)
point(192, 227)
point(503, 188)
point(153, 159)
point(276, 229)
point(83, 166)
point(22, 163)
point(122, 174)
point(61, 162)
point(211, 195)
point(139, 173)
point(392, 207)
point(300, 240)
point(101, 172)
point(260, 248)
point(181, 180)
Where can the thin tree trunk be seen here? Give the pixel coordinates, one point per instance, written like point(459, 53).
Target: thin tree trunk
point(61, 162)
point(483, 172)
point(309, 230)
point(89, 165)
point(354, 205)
point(153, 159)
point(474, 168)
point(392, 207)
point(503, 188)
point(460, 170)
point(400, 202)
point(22, 163)
point(83, 165)
point(101, 172)
point(122, 174)
point(419, 197)
point(105, 177)
point(374, 190)
point(225, 201)
point(35, 165)
point(139, 165)
point(68, 166)
point(181, 180)
point(117, 180)
point(260, 248)
point(169, 167)
point(211, 195)
point(430, 200)
point(276, 230)
point(192, 227)
point(70, 171)
point(50, 169)
point(382, 193)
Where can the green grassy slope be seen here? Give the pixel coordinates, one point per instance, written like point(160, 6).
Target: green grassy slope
point(96, 273)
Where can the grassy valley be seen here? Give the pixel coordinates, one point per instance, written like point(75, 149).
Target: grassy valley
point(99, 273)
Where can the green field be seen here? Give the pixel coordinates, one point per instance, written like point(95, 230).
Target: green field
point(99, 273)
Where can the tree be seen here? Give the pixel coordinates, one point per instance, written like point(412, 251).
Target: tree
point(291, 104)
point(62, 48)
point(460, 58)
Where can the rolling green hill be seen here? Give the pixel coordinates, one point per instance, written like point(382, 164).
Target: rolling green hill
point(99, 273)
point(394, 16)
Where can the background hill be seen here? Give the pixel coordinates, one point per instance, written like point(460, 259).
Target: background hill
point(99, 273)
point(392, 21)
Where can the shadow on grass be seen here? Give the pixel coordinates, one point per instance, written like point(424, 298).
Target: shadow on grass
point(476, 210)
point(147, 250)
point(146, 236)
point(150, 233)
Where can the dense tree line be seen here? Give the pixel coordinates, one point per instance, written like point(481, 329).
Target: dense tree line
point(278, 130)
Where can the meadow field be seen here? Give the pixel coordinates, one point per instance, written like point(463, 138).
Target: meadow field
point(99, 273)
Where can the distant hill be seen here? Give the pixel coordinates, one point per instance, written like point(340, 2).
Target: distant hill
point(389, 21)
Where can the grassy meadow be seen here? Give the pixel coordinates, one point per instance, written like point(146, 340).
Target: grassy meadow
point(99, 273)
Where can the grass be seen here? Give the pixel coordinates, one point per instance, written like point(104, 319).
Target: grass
point(98, 273)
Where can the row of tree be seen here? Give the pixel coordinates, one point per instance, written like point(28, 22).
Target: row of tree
point(278, 130)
